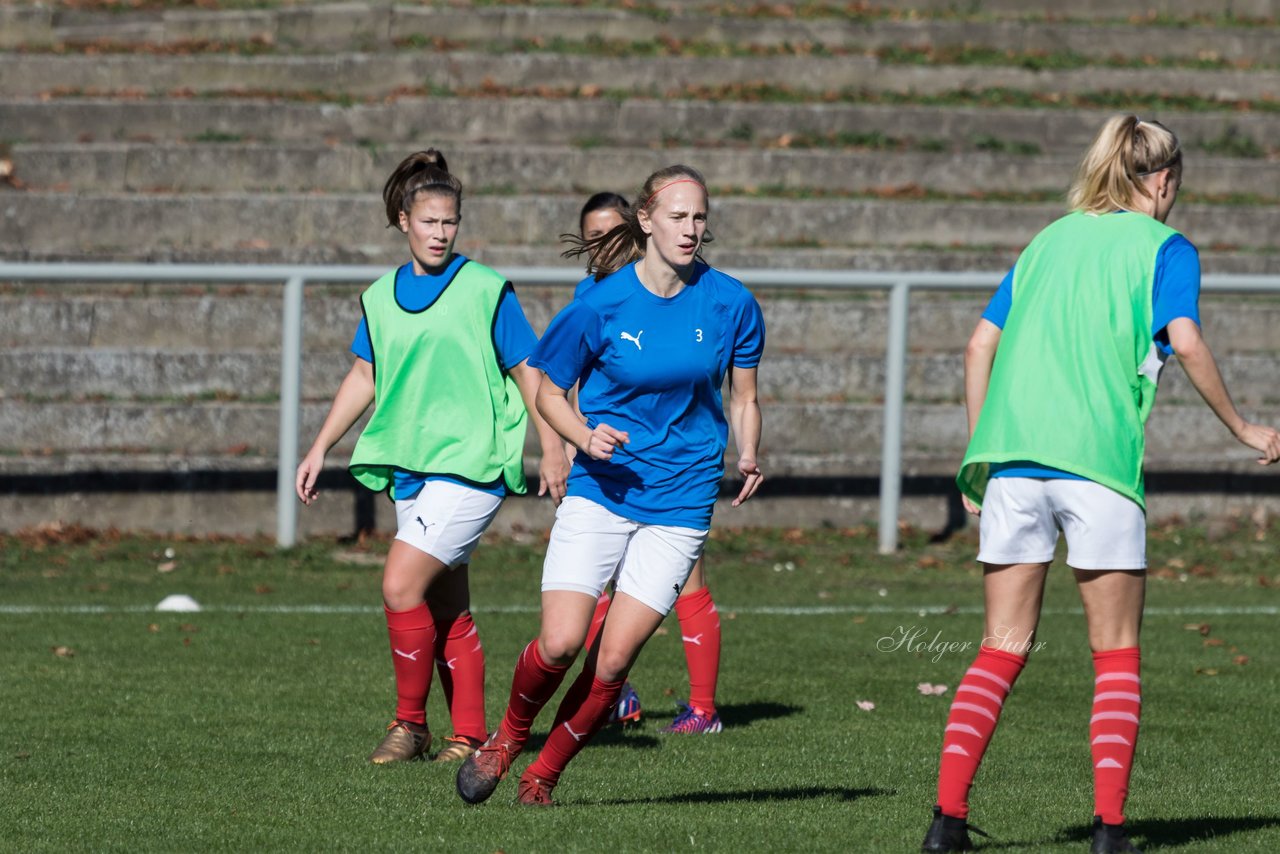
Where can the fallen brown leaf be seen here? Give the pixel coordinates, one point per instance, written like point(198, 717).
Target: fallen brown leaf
point(63, 651)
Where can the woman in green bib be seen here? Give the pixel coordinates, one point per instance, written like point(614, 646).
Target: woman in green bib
point(1060, 376)
point(441, 351)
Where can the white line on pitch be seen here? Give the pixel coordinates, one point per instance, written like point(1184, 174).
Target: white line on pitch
point(750, 610)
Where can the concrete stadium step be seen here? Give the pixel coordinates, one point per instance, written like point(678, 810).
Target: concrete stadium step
point(106, 492)
point(379, 74)
point(105, 223)
point(819, 326)
point(411, 122)
point(1151, 12)
point(1126, 11)
point(362, 26)
point(73, 375)
point(1184, 436)
point(917, 257)
point(259, 167)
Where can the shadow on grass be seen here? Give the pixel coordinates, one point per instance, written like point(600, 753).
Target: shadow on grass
point(610, 736)
point(745, 714)
point(804, 793)
point(737, 715)
point(1175, 832)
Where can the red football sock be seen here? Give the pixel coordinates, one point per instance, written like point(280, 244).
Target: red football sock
point(1113, 729)
point(460, 662)
point(584, 710)
point(972, 720)
point(597, 620)
point(700, 631)
point(413, 638)
point(534, 683)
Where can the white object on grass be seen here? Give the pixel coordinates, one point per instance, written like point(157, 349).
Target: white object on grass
point(178, 602)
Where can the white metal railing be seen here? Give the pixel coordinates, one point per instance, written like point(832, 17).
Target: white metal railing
point(899, 286)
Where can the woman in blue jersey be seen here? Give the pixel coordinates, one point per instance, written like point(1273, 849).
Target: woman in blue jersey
point(649, 345)
point(442, 351)
point(695, 609)
point(1060, 376)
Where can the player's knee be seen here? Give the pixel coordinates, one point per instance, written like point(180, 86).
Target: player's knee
point(559, 647)
point(400, 594)
point(612, 665)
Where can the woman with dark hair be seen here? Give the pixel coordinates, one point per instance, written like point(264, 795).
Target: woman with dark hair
point(442, 352)
point(649, 345)
point(600, 214)
point(1060, 376)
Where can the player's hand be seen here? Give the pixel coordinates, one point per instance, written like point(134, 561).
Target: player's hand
point(1264, 440)
point(603, 441)
point(973, 509)
point(752, 477)
point(308, 472)
point(553, 473)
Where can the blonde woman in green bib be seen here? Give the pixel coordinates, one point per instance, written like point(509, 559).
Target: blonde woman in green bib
point(1060, 376)
point(441, 350)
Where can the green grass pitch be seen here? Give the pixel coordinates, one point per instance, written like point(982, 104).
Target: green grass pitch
point(246, 726)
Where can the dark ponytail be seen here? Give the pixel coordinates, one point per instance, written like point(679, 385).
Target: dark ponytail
point(420, 172)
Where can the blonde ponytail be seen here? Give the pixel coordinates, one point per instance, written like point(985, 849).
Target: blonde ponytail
point(1125, 151)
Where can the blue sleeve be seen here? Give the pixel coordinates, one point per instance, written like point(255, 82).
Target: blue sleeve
point(362, 345)
point(748, 342)
point(1176, 289)
point(581, 288)
point(513, 337)
point(998, 309)
point(572, 341)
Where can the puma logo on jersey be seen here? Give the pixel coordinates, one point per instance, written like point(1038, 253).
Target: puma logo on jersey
point(634, 339)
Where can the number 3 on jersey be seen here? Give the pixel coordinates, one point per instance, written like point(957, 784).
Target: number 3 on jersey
point(699, 333)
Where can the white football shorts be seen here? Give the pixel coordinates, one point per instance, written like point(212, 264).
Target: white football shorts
point(446, 520)
point(589, 543)
point(1021, 517)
